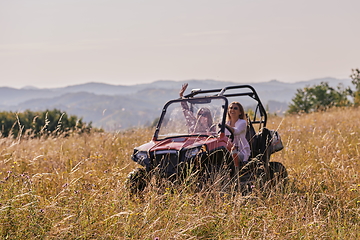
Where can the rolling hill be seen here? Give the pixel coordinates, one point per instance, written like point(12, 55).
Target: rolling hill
point(114, 107)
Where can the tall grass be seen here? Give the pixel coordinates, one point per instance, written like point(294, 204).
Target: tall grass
point(73, 188)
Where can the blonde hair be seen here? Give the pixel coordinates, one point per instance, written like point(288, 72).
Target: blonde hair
point(241, 108)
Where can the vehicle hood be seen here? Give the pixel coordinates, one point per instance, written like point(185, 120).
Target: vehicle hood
point(180, 143)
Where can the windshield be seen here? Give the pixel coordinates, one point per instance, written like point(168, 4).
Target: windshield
point(192, 117)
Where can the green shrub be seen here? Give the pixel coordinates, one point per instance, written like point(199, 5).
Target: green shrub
point(35, 124)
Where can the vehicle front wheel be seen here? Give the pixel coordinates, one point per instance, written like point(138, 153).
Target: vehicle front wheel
point(136, 180)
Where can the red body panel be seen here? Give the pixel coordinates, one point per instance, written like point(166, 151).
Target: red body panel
point(179, 143)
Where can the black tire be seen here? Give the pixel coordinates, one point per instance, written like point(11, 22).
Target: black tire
point(279, 175)
point(253, 174)
point(136, 180)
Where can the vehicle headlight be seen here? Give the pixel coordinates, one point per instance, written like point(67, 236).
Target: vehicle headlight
point(192, 152)
point(141, 158)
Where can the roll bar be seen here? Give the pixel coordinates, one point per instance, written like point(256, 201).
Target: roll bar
point(222, 92)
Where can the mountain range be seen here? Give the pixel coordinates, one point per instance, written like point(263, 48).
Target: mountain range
point(116, 107)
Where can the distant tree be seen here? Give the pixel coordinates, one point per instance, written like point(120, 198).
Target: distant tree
point(355, 76)
point(319, 98)
point(301, 102)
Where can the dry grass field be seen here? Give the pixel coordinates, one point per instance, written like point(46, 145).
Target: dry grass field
point(73, 188)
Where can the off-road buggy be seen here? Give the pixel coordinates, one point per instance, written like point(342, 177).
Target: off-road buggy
point(179, 152)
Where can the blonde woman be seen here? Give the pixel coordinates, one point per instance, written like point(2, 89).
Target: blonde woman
point(236, 120)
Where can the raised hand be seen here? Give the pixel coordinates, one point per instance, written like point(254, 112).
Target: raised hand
point(182, 90)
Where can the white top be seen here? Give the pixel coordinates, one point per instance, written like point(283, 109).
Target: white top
point(240, 140)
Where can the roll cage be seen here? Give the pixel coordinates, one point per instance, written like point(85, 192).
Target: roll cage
point(259, 116)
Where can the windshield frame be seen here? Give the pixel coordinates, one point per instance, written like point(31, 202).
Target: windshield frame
point(192, 99)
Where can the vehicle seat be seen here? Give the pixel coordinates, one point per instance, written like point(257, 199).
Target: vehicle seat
point(252, 137)
point(259, 144)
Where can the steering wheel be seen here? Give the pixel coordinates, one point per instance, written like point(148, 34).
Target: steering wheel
point(230, 130)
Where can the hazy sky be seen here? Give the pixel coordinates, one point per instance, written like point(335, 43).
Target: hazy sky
point(54, 43)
